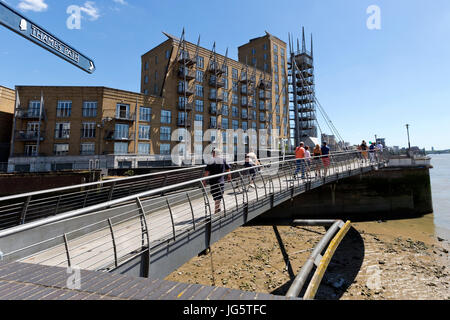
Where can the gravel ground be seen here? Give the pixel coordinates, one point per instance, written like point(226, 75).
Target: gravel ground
point(386, 260)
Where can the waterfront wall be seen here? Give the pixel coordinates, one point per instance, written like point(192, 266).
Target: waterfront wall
point(389, 193)
point(11, 184)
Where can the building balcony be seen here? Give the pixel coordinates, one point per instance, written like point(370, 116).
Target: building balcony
point(185, 106)
point(186, 73)
point(119, 136)
point(30, 114)
point(304, 61)
point(265, 84)
point(189, 90)
point(305, 100)
point(182, 122)
point(215, 97)
point(303, 91)
point(185, 59)
point(266, 96)
point(306, 82)
point(214, 111)
point(306, 109)
point(247, 103)
point(125, 117)
point(218, 83)
point(305, 73)
point(215, 70)
point(29, 136)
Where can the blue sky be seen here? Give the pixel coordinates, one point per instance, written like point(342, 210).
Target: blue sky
point(369, 81)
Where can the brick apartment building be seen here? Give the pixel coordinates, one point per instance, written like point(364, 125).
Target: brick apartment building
point(181, 84)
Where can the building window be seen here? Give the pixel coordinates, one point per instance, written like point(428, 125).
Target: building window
point(275, 68)
point(90, 109)
point(212, 93)
point(199, 105)
point(199, 90)
point(262, 116)
point(266, 67)
point(235, 124)
point(87, 149)
point(143, 148)
point(199, 76)
point(265, 46)
point(244, 114)
point(61, 149)
point(225, 96)
point(244, 125)
point(164, 149)
point(34, 108)
point(234, 73)
point(64, 109)
point(235, 86)
point(253, 51)
point(199, 117)
point(121, 148)
point(225, 110)
point(275, 58)
point(235, 112)
point(200, 62)
point(156, 59)
point(144, 132)
point(145, 114)
point(121, 131)
point(282, 53)
point(224, 123)
point(123, 111)
point(146, 79)
point(155, 89)
point(166, 116)
point(275, 48)
point(213, 122)
point(62, 130)
point(165, 134)
point(235, 99)
point(88, 130)
point(146, 65)
point(254, 61)
point(244, 101)
point(265, 56)
point(167, 54)
point(31, 150)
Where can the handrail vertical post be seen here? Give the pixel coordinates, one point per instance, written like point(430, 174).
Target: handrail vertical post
point(171, 218)
point(66, 245)
point(116, 262)
point(192, 209)
point(24, 210)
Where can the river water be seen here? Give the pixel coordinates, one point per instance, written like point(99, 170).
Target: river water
point(440, 185)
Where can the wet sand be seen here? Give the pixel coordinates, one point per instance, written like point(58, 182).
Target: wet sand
point(402, 259)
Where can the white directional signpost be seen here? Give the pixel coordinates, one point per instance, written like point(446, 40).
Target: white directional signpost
point(16, 22)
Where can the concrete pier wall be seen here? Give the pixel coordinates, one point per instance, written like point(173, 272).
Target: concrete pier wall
point(389, 193)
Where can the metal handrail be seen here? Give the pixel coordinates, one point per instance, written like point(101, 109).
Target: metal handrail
point(94, 238)
point(150, 193)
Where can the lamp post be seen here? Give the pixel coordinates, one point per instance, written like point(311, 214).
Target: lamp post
point(409, 143)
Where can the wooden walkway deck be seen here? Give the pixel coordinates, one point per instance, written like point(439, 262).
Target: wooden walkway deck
point(22, 281)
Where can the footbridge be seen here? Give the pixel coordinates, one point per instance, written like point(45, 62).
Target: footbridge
point(127, 227)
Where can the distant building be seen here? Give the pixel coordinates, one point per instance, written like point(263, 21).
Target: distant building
point(382, 141)
point(7, 100)
point(330, 140)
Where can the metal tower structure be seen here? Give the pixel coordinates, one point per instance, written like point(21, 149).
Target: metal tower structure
point(302, 93)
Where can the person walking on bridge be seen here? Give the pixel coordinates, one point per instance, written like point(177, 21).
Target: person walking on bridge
point(300, 153)
point(325, 157)
point(317, 153)
point(217, 165)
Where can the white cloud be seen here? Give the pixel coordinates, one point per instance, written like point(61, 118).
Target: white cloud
point(33, 5)
point(91, 10)
point(120, 2)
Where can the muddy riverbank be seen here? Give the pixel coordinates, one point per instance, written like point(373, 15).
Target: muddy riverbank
point(401, 259)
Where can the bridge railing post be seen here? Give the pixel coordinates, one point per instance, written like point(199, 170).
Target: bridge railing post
point(23, 215)
point(192, 209)
point(171, 218)
point(116, 261)
point(206, 201)
point(144, 224)
point(66, 245)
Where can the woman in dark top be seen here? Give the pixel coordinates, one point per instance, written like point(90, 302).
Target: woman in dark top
point(217, 166)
